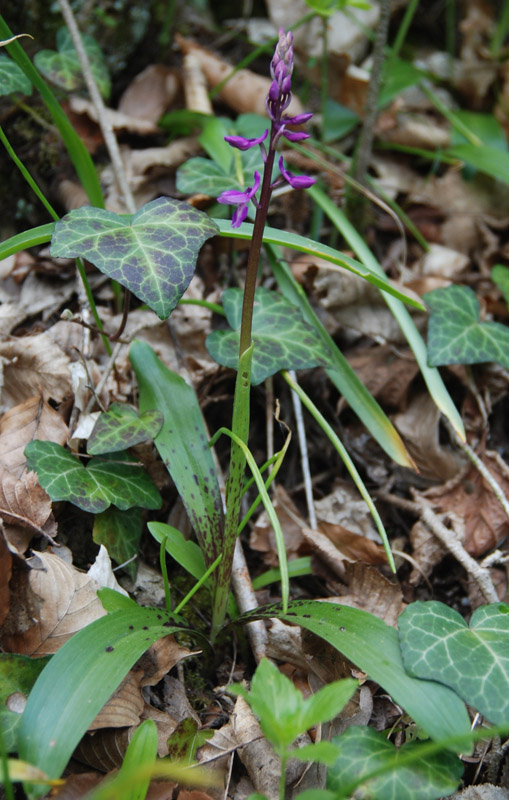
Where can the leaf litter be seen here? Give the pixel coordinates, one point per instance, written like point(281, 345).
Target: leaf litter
point(44, 600)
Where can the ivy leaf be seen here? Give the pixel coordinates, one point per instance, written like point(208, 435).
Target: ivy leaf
point(94, 487)
point(64, 68)
point(455, 334)
point(12, 77)
point(283, 340)
point(207, 177)
point(120, 532)
point(17, 676)
point(437, 644)
point(363, 750)
point(153, 254)
point(121, 427)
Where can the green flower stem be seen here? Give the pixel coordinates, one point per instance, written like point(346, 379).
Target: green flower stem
point(51, 211)
point(240, 421)
point(164, 573)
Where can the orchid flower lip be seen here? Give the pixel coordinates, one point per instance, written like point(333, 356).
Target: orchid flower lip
point(295, 181)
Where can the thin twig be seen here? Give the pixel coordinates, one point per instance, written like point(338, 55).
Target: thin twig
point(304, 456)
point(102, 116)
point(102, 382)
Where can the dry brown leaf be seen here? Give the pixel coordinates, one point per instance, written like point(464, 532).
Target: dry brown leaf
point(386, 374)
point(33, 419)
point(125, 706)
point(255, 751)
point(150, 93)
point(419, 428)
point(427, 551)
point(371, 591)
point(34, 365)
point(472, 500)
point(5, 577)
point(195, 85)
point(117, 120)
point(345, 507)
point(262, 535)
point(24, 502)
point(486, 791)
point(245, 92)
point(69, 602)
point(351, 546)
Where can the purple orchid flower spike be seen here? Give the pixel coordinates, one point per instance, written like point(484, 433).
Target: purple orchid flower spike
point(241, 200)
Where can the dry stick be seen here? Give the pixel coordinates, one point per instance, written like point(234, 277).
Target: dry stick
point(102, 116)
point(449, 539)
point(304, 456)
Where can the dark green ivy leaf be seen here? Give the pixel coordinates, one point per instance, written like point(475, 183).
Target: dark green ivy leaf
point(121, 427)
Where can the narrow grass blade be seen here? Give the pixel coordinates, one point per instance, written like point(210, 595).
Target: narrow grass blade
point(431, 375)
point(30, 238)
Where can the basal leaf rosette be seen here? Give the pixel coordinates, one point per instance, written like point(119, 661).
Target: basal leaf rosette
point(153, 254)
point(282, 339)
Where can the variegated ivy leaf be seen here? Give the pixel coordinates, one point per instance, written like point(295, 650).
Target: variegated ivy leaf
point(64, 68)
point(12, 77)
point(93, 488)
point(121, 427)
point(437, 644)
point(153, 254)
point(281, 337)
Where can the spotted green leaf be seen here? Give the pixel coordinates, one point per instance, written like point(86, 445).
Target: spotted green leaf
point(63, 65)
point(362, 751)
point(120, 532)
point(186, 739)
point(437, 643)
point(153, 253)
point(81, 677)
point(12, 77)
point(121, 427)
point(281, 337)
point(92, 488)
point(17, 676)
point(455, 334)
point(183, 446)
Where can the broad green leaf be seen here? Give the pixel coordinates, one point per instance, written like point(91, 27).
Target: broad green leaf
point(397, 76)
point(281, 338)
point(486, 158)
point(500, 277)
point(153, 254)
point(64, 68)
point(431, 376)
point(323, 752)
point(185, 552)
point(282, 710)
point(12, 77)
point(17, 676)
point(94, 487)
point(182, 443)
point(374, 647)
point(338, 121)
point(362, 750)
point(78, 153)
point(81, 677)
point(485, 126)
point(30, 238)
point(455, 334)
point(121, 427)
point(212, 141)
point(186, 739)
point(120, 532)
point(437, 643)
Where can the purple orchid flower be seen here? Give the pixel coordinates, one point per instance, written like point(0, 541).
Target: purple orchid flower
point(241, 200)
point(278, 99)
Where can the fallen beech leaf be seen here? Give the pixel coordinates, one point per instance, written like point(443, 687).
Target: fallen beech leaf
point(262, 535)
point(472, 500)
point(117, 120)
point(33, 419)
point(33, 365)
point(150, 93)
point(385, 373)
point(23, 502)
point(69, 602)
point(371, 591)
point(5, 576)
point(125, 706)
point(245, 91)
point(353, 547)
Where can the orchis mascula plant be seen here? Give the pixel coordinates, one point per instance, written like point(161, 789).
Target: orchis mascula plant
point(278, 100)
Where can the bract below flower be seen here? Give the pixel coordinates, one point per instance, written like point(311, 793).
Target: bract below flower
point(295, 181)
point(241, 200)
